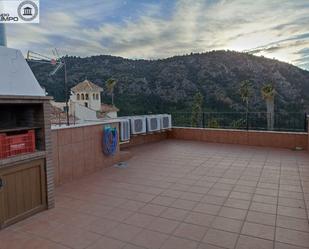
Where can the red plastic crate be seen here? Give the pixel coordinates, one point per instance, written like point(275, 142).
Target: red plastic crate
point(11, 145)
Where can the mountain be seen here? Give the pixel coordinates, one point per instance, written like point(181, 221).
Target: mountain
point(167, 85)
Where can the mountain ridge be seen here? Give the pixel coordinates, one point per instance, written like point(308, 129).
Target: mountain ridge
point(169, 84)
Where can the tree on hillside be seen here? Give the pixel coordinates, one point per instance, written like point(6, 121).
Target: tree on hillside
point(268, 94)
point(197, 110)
point(245, 91)
point(110, 85)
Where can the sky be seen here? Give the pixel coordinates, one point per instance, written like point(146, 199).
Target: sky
point(151, 29)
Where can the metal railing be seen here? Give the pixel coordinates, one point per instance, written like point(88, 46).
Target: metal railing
point(279, 121)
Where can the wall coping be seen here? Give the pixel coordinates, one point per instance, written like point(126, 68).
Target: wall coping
point(236, 130)
point(90, 123)
point(25, 97)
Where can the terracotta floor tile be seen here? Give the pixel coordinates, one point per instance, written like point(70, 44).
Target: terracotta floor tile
point(191, 196)
point(220, 238)
point(184, 204)
point(226, 224)
point(132, 205)
point(198, 190)
point(124, 232)
point(245, 242)
point(111, 201)
point(18, 240)
point(224, 186)
point(219, 192)
point(287, 202)
point(163, 200)
point(207, 208)
point(236, 203)
point(279, 245)
point(265, 199)
point(179, 243)
point(152, 209)
point(292, 212)
point(40, 227)
point(211, 199)
point(174, 214)
point(208, 246)
point(233, 213)
point(190, 231)
point(118, 214)
point(243, 188)
point(107, 243)
point(291, 194)
point(112, 208)
point(140, 220)
point(130, 246)
point(290, 188)
point(163, 225)
point(292, 237)
point(199, 219)
point(258, 230)
point(73, 237)
point(267, 192)
point(150, 239)
point(293, 223)
point(143, 197)
point(172, 193)
point(101, 226)
point(241, 195)
point(261, 218)
point(264, 208)
point(247, 183)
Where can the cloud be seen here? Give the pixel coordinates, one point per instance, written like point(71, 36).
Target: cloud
point(159, 29)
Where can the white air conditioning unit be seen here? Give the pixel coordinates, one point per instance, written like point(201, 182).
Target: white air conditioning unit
point(166, 121)
point(153, 123)
point(138, 125)
point(124, 130)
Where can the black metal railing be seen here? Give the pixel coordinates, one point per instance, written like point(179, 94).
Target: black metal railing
point(279, 121)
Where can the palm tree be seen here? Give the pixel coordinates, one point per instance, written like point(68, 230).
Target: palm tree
point(110, 85)
point(268, 94)
point(197, 109)
point(245, 93)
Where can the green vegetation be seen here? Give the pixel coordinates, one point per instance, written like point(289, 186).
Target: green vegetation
point(197, 111)
point(268, 92)
point(245, 93)
point(213, 123)
point(110, 85)
point(239, 123)
point(169, 85)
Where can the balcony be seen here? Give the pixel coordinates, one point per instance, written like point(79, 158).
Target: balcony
point(177, 193)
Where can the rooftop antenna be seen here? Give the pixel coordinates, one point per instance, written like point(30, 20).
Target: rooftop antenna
point(58, 63)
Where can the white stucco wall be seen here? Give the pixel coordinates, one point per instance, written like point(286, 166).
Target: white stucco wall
point(82, 112)
point(94, 104)
point(111, 115)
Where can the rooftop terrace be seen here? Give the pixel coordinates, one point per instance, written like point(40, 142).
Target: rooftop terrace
point(179, 194)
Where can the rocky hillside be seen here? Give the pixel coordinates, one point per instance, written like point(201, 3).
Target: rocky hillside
point(169, 84)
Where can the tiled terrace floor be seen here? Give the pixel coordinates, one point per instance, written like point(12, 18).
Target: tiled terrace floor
point(179, 195)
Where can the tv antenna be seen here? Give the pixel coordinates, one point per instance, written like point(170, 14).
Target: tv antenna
point(58, 63)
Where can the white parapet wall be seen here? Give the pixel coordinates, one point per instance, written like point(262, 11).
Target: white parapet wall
point(83, 113)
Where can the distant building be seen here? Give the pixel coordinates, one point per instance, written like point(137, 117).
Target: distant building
point(85, 104)
point(88, 94)
point(108, 111)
